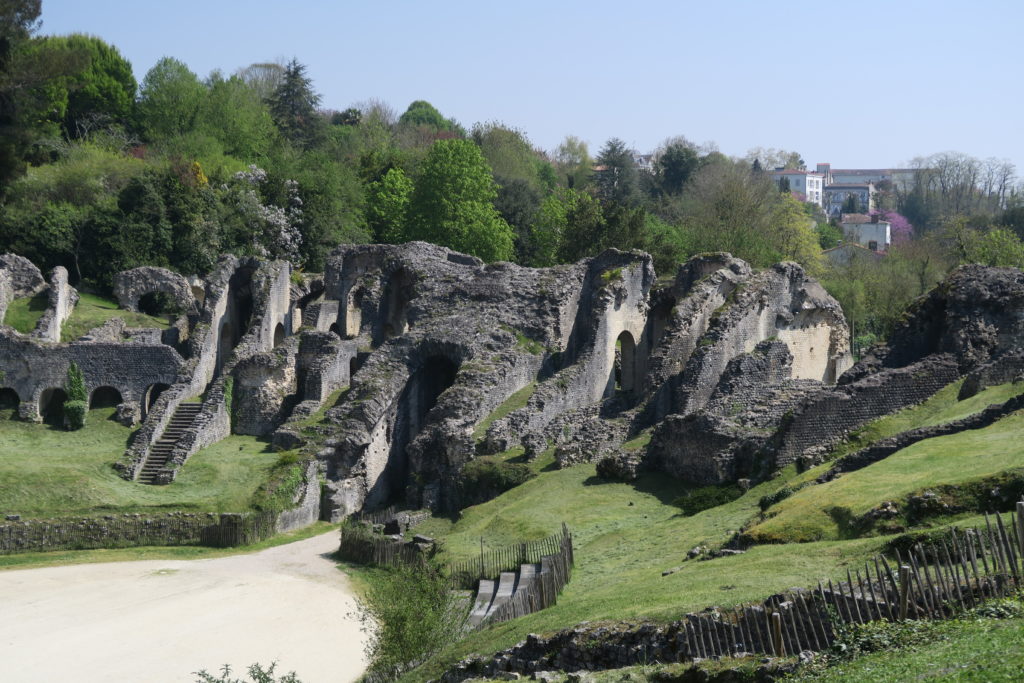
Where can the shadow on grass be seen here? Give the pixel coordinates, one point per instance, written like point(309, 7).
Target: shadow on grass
point(666, 489)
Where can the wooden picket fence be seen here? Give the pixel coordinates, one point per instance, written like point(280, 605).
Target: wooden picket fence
point(359, 544)
point(543, 589)
point(934, 581)
point(491, 563)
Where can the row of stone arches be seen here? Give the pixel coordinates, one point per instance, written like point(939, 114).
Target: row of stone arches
point(51, 400)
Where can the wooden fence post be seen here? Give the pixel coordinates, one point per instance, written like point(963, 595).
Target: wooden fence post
point(1020, 527)
point(777, 644)
point(904, 590)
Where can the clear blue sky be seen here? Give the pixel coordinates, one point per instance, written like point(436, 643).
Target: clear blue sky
point(858, 84)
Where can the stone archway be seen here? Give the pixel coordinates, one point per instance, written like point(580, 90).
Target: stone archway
point(278, 335)
point(105, 397)
point(51, 405)
point(625, 366)
point(9, 401)
point(152, 394)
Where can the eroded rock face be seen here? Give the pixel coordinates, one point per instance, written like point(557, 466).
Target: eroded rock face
point(730, 372)
point(24, 278)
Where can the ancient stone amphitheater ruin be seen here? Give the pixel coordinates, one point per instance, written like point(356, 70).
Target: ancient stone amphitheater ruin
point(733, 372)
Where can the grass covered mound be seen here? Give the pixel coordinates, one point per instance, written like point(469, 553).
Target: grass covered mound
point(23, 314)
point(91, 311)
point(46, 471)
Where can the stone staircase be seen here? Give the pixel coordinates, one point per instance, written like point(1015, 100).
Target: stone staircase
point(493, 594)
point(160, 452)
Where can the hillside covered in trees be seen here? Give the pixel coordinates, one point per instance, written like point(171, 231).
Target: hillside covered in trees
point(100, 173)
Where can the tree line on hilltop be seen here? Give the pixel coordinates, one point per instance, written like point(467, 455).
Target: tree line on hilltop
point(99, 173)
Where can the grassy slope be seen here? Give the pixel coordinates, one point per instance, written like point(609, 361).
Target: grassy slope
point(940, 408)
point(622, 550)
point(981, 650)
point(816, 512)
point(49, 472)
point(92, 311)
point(23, 314)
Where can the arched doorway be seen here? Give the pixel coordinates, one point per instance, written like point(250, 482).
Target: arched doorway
point(419, 396)
point(396, 303)
point(278, 335)
point(334, 329)
point(152, 394)
point(9, 402)
point(51, 405)
point(105, 397)
point(625, 366)
point(157, 304)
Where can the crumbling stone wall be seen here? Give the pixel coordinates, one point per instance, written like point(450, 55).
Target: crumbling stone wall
point(62, 298)
point(132, 285)
point(30, 367)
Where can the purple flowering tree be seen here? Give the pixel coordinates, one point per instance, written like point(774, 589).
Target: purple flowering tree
point(902, 230)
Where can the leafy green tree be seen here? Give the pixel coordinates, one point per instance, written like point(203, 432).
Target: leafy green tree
point(675, 162)
point(574, 163)
point(263, 77)
point(423, 113)
point(793, 237)
point(518, 202)
point(18, 20)
point(616, 177)
point(387, 205)
point(585, 228)
point(234, 114)
point(294, 107)
point(452, 203)
point(508, 152)
point(169, 100)
point(99, 90)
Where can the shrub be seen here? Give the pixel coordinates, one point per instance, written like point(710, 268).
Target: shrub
point(484, 479)
point(74, 413)
point(706, 498)
point(76, 384)
point(409, 614)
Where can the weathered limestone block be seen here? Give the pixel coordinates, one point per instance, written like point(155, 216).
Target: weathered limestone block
point(25, 279)
point(62, 300)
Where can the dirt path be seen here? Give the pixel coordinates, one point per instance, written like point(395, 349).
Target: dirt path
point(160, 620)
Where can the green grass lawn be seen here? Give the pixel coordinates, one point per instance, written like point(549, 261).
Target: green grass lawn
point(975, 650)
point(23, 314)
point(48, 472)
point(91, 311)
point(816, 512)
point(625, 536)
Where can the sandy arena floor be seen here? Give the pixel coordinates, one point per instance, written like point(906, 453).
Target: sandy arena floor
point(159, 621)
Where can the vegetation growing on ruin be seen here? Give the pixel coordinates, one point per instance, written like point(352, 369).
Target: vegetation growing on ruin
point(514, 402)
point(92, 310)
point(46, 471)
point(23, 313)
